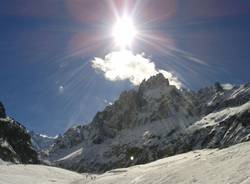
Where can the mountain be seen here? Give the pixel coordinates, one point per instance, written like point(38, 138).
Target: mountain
point(154, 121)
point(15, 141)
point(41, 142)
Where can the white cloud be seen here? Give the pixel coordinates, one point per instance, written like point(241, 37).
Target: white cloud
point(124, 65)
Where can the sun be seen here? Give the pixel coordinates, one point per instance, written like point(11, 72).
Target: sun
point(124, 32)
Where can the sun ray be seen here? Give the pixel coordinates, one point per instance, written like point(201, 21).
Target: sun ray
point(114, 9)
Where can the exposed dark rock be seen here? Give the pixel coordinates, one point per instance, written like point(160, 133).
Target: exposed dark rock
point(15, 142)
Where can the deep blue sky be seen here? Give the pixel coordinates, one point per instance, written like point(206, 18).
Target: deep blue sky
point(46, 44)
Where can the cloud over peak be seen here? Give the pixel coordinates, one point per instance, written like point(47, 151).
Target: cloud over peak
point(125, 65)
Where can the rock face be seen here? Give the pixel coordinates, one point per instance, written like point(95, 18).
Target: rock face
point(15, 142)
point(154, 121)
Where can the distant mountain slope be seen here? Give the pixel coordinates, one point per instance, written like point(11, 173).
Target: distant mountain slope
point(154, 121)
point(15, 142)
point(41, 142)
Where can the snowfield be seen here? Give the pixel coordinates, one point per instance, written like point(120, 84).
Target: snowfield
point(35, 174)
point(226, 166)
point(231, 165)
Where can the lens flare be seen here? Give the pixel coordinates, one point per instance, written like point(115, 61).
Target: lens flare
point(124, 32)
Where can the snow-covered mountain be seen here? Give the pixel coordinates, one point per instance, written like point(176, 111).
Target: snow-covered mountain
point(15, 141)
point(41, 142)
point(155, 121)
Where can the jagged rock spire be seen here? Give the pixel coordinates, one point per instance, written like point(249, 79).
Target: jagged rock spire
point(154, 82)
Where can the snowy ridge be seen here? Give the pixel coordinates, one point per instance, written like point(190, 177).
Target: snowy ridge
point(219, 116)
point(217, 97)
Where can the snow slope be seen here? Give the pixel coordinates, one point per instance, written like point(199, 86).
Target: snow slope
point(227, 166)
point(230, 165)
point(36, 174)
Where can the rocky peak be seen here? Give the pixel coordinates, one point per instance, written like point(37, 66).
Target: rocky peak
point(2, 111)
point(154, 82)
point(155, 100)
point(70, 138)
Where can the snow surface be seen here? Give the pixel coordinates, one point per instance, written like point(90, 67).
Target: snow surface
point(230, 165)
point(36, 174)
point(72, 155)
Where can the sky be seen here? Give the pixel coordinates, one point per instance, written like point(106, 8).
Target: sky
point(59, 64)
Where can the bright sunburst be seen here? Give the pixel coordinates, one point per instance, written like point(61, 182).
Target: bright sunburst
point(124, 32)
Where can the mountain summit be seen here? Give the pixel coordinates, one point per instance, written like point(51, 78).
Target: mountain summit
point(155, 82)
